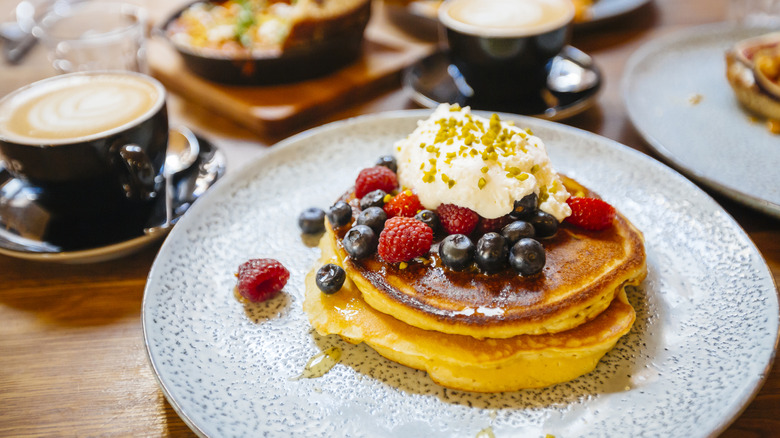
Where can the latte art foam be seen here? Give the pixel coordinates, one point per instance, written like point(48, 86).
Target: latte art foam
point(77, 108)
point(503, 14)
point(506, 18)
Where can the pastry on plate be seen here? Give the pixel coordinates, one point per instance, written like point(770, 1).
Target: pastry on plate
point(753, 71)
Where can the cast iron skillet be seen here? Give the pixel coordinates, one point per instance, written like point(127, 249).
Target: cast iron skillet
point(317, 57)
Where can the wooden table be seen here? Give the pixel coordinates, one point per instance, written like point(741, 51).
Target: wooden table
point(72, 357)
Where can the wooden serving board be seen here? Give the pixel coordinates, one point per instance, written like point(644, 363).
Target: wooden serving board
point(280, 109)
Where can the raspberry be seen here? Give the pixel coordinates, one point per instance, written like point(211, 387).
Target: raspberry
point(261, 279)
point(590, 213)
point(403, 239)
point(457, 220)
point(404, 204)
point(492, 225)
point(375, 178)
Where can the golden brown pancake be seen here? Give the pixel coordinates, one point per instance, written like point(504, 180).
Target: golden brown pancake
point(585, 271)
point(464, 362)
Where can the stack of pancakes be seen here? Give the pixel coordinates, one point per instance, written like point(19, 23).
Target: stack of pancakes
point(488, 333)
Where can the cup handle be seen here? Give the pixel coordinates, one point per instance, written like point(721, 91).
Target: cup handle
point(140, 183)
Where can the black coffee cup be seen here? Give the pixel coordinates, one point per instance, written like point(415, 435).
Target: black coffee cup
point(89, 148)
point(503, 48)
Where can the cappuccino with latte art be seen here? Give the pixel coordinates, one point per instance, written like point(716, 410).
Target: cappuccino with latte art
point(502, 49)
point(90, 146)
point(507, 18)
point(73, 108)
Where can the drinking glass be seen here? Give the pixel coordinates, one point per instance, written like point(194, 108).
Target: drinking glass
point(94, 35)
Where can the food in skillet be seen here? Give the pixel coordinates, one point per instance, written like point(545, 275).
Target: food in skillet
point(251, 27)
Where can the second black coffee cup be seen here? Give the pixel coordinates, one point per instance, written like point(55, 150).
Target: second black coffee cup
point(503, 48)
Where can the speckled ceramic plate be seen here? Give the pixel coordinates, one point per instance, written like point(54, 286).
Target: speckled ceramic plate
point(678, 98)
point(705, 334)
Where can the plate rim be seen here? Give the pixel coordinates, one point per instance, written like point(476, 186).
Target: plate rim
point(640, 55)
point(241, 175)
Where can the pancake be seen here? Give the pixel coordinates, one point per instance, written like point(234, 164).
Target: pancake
point(585, 271)
point(464, 362)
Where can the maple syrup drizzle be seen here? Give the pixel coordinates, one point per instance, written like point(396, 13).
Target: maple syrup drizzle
point(320, 364)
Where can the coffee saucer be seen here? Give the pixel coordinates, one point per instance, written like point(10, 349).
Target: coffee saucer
point(572, 84)
point(23, 222)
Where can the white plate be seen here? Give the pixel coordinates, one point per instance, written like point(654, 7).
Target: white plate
point(703, 341)
point(713, 141)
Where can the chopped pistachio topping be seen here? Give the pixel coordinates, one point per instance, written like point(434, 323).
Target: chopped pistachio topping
point(455, 145)
point(490, 144)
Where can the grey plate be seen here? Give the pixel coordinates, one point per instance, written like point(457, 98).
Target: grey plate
point(714, 141)
point(704, 338)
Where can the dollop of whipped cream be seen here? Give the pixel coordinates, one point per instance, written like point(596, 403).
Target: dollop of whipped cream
point(456, 157)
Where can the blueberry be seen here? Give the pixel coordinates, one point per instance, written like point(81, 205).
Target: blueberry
point(544, 223)
point(388, 161)
point(374, 217)
point(456, 251)
point(516, 230)
point(339, 214)
point(360, 242)
point(527, 256)
point(525, 207)
point(330, 278)
point(429, 218)
point(311, 220)
point(491, 253)
point(373, 199)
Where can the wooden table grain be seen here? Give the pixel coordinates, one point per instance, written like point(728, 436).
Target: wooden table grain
point(72, 355)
